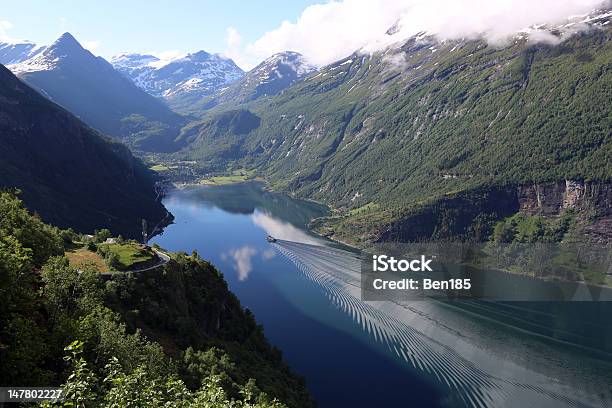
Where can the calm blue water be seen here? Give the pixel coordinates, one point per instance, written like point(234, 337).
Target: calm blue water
point(352, 353)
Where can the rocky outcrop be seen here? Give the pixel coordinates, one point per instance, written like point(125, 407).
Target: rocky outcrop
point(592, 202)
point(471, 214)
point(552, 199)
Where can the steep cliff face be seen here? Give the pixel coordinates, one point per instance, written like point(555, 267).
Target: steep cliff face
point(552, 198)
point(470, 215)
point(592, 202)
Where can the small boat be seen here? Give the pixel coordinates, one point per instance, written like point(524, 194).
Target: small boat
point(270, 238)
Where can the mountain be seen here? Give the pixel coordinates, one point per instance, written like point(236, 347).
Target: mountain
point(68, 173)
point(429, 124)
point(90, 88)
point(140, 319)
point(181, 82)
point(16, 52)
point(273, 75)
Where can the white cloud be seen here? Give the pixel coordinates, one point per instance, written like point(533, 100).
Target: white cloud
point(165, 57)
point(495, 20)
point(327, 32)
point(233, 37)
point(5, 25)
point(242, 259)
point(236, 50)
point(90, 45)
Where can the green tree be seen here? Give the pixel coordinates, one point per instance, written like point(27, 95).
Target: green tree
point(112, 260)
point(102, 235)
point(22, 341)
point(31, 232)
point(68, 291)
point(212, 362)
point(142, 388)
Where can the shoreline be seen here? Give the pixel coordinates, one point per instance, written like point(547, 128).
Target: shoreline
point(335, 240)
point(266, 186)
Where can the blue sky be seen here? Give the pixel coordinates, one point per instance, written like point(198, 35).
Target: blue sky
point(111, 26)
point(322, 30)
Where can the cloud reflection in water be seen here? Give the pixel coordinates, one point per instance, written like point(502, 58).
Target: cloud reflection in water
point(242, 260)
point(280, 229)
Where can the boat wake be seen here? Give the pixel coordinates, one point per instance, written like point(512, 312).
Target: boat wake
point(415, 335)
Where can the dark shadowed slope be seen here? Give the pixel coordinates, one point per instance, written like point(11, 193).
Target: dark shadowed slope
point(68, 173)
point(89, 87)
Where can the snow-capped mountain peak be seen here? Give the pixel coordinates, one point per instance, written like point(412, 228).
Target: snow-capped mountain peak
point(66, 47)
point(66, 42)
point(277, 73)
point(294, 61)
point(129, 60)
point(18, 51)
point(187, 78)
point(270, 77)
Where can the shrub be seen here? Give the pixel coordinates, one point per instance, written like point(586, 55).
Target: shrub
point(112, 260)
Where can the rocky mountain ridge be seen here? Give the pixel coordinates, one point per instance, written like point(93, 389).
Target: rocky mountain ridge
point(180, 81)
point(18, 51)
point(89, 87)
point(270, 77)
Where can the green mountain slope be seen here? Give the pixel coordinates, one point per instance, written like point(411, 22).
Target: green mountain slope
point(175, 335)
point(90, 88)
point(269, 78)
point(68, 173)
point(406, 127)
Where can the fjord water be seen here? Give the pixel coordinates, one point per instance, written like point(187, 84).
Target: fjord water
point(305, 292)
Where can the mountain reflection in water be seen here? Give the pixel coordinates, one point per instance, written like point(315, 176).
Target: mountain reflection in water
point(303, 288)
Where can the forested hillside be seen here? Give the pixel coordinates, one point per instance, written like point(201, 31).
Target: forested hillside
point(383, 134)
point(175, 337)
point(67, 172)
